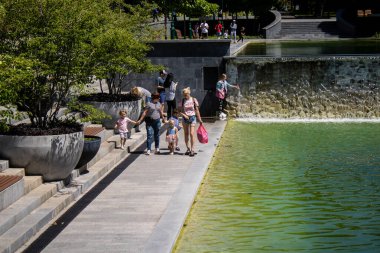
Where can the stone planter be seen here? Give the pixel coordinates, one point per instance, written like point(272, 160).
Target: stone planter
point(112, 108)
point(51, 156)
point(90, 149)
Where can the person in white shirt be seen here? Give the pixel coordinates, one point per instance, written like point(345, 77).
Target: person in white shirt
point(233, 28)
point(204, 30)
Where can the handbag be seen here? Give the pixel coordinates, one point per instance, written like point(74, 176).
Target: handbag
point(202, 134)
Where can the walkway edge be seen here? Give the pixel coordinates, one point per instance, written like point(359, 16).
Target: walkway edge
point(167, 230)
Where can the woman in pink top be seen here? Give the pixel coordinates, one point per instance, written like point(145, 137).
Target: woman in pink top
point(190, 111)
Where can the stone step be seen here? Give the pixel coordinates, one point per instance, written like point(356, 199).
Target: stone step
point(19, 234)
point(318, 29)
point(31, 183)
point(16, 234)
point(108, 162)
point(25, 205)
point(11, 189)
point(13, 171)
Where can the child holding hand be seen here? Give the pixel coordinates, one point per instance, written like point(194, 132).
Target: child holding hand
point(122, 125)
point(175, 118)
point(171, 136)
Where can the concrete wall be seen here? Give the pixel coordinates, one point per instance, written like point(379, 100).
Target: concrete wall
point(317, 72)
point(273, 30)
point(187, 60)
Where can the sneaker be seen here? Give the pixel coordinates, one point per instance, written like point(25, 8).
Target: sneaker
point(172, 153)
point(157, 151)
point(147, 152)
point(122, 147)
point(177, 148)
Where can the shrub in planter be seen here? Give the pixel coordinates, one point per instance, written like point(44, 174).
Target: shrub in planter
point(111, 104)
point(50, 50)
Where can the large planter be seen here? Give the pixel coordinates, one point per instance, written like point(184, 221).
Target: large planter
point(90, 149)
point(52, 156)
point(112, 109)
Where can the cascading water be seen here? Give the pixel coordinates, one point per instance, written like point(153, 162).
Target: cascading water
point(317, 87)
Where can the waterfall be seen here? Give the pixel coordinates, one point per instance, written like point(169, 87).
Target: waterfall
point(315, 87)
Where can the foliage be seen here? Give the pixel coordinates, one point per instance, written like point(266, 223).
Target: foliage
point(50, 47)
point(119, 49)
point(192, 8)
point(87, 112)
point(198, 8)
point(19, 87)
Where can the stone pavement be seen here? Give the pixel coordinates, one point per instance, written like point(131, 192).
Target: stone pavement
point(140, 206)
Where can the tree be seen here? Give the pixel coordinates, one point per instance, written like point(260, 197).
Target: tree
point(192, 8)
point(55, 46)
point(119, 50)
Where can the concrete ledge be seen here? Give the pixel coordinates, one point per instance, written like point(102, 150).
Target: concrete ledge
point(4, 164)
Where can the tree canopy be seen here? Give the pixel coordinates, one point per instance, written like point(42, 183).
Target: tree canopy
point(56, 45)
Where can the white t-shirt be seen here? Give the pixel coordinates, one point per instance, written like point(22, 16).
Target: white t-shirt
point(170, 93)
point(204, 27)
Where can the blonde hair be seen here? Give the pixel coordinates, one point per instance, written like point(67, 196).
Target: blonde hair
point(123, 111)
point(136, 91)
point(186, 90)
point(222, 76)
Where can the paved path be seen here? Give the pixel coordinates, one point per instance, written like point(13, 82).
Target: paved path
point(142, 207)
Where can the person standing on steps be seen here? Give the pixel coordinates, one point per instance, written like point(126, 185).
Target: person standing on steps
point(153, 115)
point(233, 29)
point(190, 111)
point(221, 93)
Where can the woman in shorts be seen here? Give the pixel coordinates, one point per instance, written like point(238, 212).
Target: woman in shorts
point(190, 112)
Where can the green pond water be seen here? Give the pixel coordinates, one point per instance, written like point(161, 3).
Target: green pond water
point(314, 47)
point(289, 187)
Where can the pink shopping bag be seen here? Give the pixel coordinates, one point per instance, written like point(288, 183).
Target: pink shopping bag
point(202, 134)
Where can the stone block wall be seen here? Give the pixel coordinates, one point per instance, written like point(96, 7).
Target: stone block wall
point(315, 87)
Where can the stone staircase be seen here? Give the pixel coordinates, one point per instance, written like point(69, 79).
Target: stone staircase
point(309, 29)
point(28, 205)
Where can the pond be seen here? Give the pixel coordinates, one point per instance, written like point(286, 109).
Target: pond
point(311, 48)
point(289, 187)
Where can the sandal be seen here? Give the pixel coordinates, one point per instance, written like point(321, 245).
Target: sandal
point(187, 152)
point(191, 153)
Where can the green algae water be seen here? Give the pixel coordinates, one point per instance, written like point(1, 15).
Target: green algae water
point(289, 187)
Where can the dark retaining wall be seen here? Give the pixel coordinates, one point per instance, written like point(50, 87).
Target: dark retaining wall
point(194, 63)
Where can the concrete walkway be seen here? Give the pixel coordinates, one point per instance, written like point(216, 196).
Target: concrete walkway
point(140, 206)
